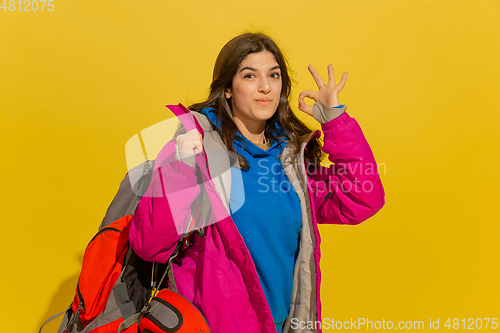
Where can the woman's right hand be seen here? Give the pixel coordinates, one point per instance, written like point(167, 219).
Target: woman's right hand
point(190, 143)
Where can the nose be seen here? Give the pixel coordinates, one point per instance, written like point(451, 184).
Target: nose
point(264, 86)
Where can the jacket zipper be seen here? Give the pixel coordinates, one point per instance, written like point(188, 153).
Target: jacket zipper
point(325, 199)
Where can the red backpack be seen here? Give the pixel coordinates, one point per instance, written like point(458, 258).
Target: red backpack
point(102, 265)
point(103, 302)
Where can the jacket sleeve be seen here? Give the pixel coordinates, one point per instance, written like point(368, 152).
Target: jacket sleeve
point(165, 209)
point(350, 190)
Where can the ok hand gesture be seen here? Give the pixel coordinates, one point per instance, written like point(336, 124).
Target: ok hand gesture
point(327, 93)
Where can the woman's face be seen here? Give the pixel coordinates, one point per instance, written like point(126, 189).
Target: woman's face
point(256, 89)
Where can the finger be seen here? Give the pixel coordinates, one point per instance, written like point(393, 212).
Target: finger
point(199, 141)
point(304, 107)
point(195, 135)
point(194, 147)
point(342, 82)
point(316, 76)
point(331, 76)
point(308, 94)
point(192, 132)
point(191, 142)
point(302, 104)
point(197, 149)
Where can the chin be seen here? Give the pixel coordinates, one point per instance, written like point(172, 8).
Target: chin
point(267, 114)
point(265, 117)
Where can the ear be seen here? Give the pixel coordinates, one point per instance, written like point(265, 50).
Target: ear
point(228, 93)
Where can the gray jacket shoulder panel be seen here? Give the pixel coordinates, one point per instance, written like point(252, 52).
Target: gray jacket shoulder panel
point(128, 196)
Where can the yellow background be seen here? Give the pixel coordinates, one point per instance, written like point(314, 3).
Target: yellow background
point(78, 82)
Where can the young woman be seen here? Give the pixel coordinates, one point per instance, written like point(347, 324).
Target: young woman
point(257, 270)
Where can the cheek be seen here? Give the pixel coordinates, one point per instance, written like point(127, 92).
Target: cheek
point(240, 94)
point(278, 85)
point(277, 88)
point(236, 97)
point(238, 101)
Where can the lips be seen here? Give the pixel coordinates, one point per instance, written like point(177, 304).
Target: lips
point(264, 101)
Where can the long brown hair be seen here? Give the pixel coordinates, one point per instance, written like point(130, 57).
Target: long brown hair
point(226, 66)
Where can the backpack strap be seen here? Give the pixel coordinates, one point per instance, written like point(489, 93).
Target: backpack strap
point(62, 327)
point(168, 271)
point(171, 280)
point(135, 318)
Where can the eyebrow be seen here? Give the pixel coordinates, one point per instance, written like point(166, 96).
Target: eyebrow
point(253, 69)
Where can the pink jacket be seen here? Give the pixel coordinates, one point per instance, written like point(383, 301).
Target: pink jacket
point(216, 272)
